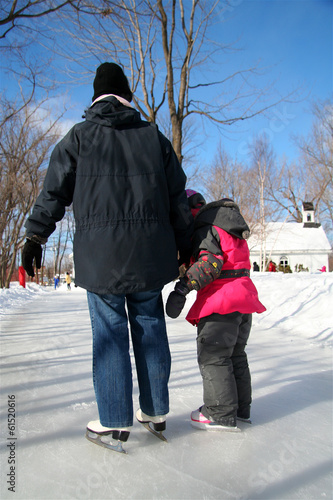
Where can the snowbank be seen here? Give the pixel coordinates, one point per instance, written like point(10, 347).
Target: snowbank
point(298, 302)
point(16, 295)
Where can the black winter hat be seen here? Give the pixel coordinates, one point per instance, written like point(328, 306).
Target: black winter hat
point(110, 79)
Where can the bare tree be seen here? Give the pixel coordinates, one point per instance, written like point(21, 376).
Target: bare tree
point(229, 178)
point(317, 161)
point(263, 165)
point(188, 49)
point(25, 141)
point(285, 190)
point(310, 178)
point(167, 50)
point(14, 12)
point(61, 239)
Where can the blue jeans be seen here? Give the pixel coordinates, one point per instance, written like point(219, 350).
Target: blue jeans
point(112, 370)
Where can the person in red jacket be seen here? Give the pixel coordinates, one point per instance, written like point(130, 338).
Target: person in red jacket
point(271, 267)
point(222, 311)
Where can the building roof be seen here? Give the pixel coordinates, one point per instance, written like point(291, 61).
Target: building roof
point(291, 236)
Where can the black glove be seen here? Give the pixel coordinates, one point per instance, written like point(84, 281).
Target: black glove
point(177, 299)
point(31, 251)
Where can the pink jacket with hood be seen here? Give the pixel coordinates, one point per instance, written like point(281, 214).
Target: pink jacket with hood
point(220, 234)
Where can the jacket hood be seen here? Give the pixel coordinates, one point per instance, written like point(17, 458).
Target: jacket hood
point(225, 215)
point(110, 112)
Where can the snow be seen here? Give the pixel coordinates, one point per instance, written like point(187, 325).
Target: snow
point(285, 454)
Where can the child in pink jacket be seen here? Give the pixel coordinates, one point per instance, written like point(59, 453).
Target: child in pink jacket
point(222, 312)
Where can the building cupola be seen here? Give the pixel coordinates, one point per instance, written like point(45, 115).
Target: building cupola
point(309, 215)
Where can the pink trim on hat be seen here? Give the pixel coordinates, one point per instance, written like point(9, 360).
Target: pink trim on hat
point(190, 192)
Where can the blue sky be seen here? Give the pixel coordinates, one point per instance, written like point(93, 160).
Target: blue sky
point(292, 39)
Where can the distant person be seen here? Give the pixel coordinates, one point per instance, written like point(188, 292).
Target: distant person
point(222, 311)
point(255, 267)
point(56, 280)
point(271, 267)
point(323, 269)
point(68, 281)
point(131, 220)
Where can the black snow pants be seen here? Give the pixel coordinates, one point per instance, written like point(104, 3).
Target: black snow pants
point(224, 366)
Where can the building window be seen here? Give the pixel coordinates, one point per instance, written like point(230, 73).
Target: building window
point(284, 261)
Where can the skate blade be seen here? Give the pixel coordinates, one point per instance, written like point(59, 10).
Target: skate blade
point(213, 428)
point(105, 442)
point(245, 420)
point(158, 434)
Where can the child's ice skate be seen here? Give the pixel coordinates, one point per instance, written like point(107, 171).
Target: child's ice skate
point(199, 421)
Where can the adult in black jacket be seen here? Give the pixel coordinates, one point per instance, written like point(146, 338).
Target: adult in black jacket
point(131, 218)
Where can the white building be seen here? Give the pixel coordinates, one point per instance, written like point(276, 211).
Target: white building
point(292, 243)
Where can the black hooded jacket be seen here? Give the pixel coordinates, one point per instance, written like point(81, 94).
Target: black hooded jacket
point(223, 214)
point(130, 206)
point(207, 247)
